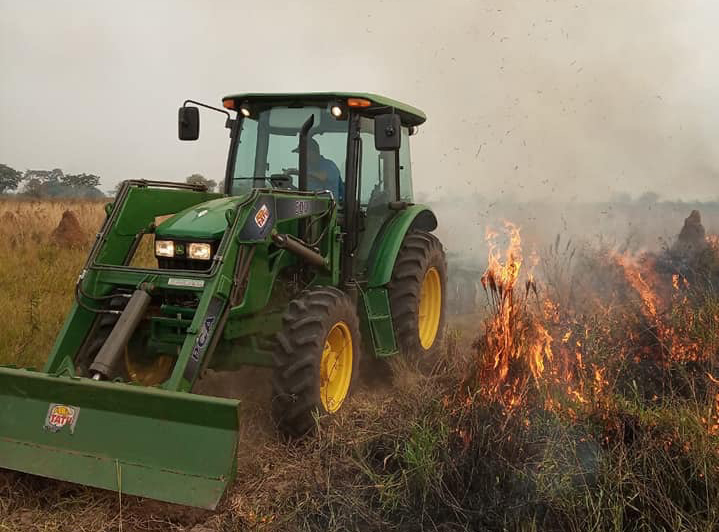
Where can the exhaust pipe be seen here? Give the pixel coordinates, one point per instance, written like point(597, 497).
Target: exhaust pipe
point(111, 352)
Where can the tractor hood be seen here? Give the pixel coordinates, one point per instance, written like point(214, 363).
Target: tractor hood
point(204, 221)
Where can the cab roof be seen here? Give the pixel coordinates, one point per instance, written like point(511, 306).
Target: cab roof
point(410, 116)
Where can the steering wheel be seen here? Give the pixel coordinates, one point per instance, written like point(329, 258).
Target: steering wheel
point(283, 180)
point(295, 171)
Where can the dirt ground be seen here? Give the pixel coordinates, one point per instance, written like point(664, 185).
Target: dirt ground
point(32, 503)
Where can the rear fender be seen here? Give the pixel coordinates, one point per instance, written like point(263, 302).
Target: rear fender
point(390, 240)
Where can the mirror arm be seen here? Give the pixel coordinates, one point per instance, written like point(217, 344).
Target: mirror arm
point(209, 107)
point(397, 180)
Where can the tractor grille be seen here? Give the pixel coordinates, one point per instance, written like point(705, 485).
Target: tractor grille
point(183, 264)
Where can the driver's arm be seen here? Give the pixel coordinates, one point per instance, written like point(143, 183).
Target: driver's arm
point(318, 174)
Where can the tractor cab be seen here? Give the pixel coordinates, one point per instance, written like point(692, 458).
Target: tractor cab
point(353, 147)
point(267, 150)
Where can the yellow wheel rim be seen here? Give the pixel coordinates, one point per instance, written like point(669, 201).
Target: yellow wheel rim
point(430, 308)
point(336, 367)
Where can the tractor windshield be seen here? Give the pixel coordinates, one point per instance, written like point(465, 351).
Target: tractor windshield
point(268, 155)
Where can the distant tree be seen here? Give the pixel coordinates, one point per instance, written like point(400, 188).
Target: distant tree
point(9, 178)
point(80, 180)
point(43, 183)
point(33, 187)
point(87, 193)
point(56, 184)
point(45, 176)
point(199, 179)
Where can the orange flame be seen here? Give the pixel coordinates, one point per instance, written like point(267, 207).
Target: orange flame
point(512, 335)
point(517, 346)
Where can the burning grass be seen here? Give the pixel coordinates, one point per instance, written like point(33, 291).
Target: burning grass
point(585, 398)
point(611, 395)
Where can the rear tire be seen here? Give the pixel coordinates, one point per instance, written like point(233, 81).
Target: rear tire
point(316, 359)
point(418, 294)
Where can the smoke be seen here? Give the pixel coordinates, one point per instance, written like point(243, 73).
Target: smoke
point(579, 101)
point(527, 99)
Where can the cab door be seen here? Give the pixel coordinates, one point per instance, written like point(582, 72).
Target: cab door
point(378, 182)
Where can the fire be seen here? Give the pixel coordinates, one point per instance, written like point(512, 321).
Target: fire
point(535, 353)
point(667, 312)
point(501, 277)
point(713, 242)
point(637, 277)
point(512, 334)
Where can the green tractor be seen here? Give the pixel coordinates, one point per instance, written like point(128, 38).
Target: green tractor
point(312, 258)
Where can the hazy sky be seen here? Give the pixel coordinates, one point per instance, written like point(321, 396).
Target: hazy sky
point(563, 99)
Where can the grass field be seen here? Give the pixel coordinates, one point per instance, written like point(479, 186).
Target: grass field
point(38, 275)
point(581, 396)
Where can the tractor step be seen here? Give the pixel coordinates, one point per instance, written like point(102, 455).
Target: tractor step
point(379, 319)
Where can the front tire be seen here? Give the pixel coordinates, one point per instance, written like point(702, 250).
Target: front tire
point(417, 294)
point(316, 359)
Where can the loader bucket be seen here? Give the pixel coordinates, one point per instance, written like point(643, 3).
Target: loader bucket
point(171, 446)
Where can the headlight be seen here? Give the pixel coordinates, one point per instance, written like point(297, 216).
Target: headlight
point(164, 248)
point(199, 251)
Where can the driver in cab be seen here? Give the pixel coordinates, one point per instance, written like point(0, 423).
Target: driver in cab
point(322, 173)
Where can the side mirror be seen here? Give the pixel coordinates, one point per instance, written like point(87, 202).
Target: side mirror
point(387, 132)
point(188, 123)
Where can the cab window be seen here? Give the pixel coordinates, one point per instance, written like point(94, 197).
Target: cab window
point(377, 170)
point(268, 150)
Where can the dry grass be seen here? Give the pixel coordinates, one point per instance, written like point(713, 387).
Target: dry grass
point(37, 276)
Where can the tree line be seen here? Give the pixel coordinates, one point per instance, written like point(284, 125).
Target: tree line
point(194, 179)
point(57, 184)
point(49, 183)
